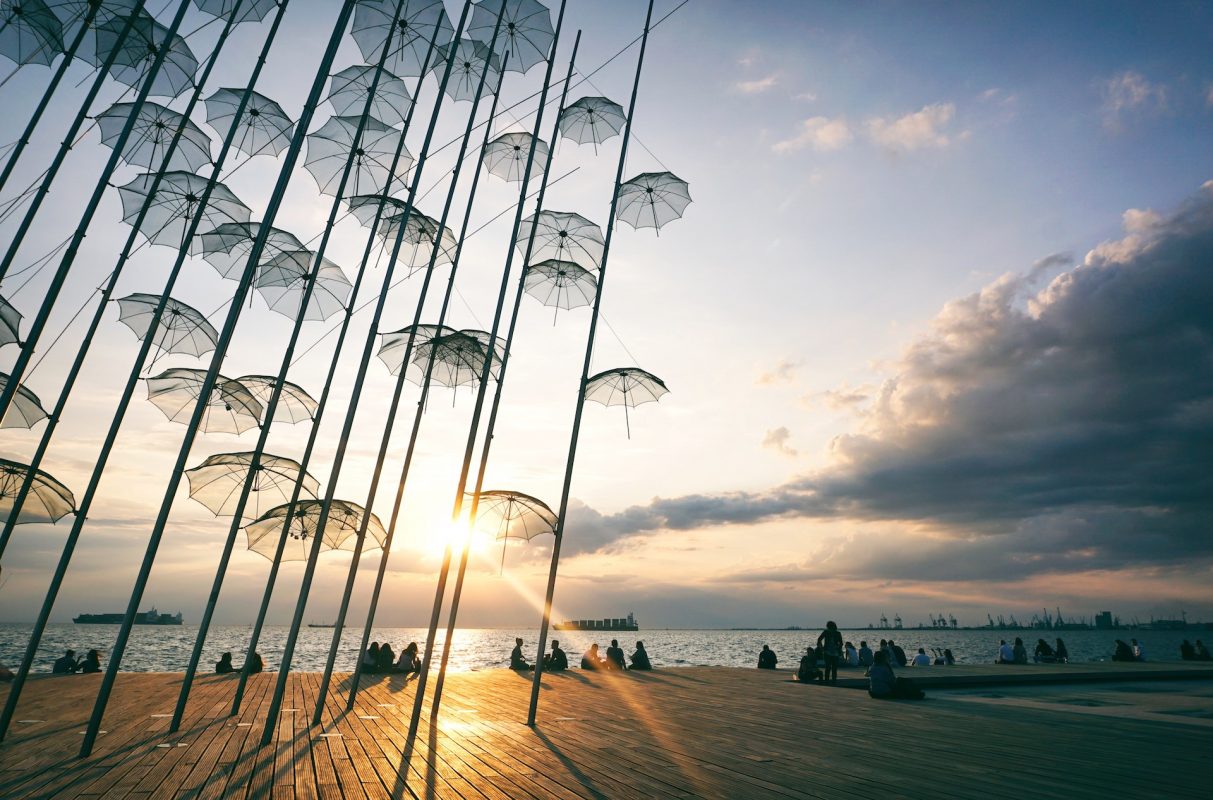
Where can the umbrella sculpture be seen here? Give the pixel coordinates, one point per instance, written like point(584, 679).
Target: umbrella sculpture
point(25, 410)
point(392, 346)
point(652, 199)
point(283, 279)
point(48, 499)
point(591, 119)
point(264, 126)
point(176, 200)
point(376, 20)
point(72, 14)
point(139, 50)
point(421, 232)
point(365, 207)
point(513, 515)
point(563, 236)
point(506, 156)
point(561, 284)
point(227, 247)
point(328, 150)
point(217, 482)
point(149, 140)
point(231, 408)
point(471, 59)
point(250, 10)
point(458, 358)
point(30, 33)
point(349, 89)
point(624, 386)
point(182, 328)
point(294, 403)
point(526, 30)
point(342, 525)
point(10, 324)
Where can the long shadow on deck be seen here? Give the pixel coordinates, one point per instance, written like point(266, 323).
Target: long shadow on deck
point(573, 769)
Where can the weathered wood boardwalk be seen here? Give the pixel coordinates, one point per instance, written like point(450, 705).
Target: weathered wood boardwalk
point(696, 732)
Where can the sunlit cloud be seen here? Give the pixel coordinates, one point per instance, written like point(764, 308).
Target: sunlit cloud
point(777, 440)
point(921, 129)
point(758, 85)
point(1127, 94)
point(819, 133)
point(784, 371)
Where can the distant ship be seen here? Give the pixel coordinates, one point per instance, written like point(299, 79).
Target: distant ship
point(322, 624)
point(152, 617)
point(605, 624)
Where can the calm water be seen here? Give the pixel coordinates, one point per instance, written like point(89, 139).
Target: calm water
point(167, 649)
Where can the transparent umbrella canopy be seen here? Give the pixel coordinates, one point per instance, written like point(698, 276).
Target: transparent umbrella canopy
point(652, 199)
point(231, 408)
point(283, 279)
point(72, 14)
point(182, 329)
point(340, 529)
point(10, 323)
point(591, 119)
point(264, 127)
point(139, 50)
point(471, 59)
point(48, 499)
point(526, 30)
point(411, 32)
point(458, 358)
point(349, 88)
point(176, 200)
point(328, 151)
point(25, 410)
point(506, 156)
point(561, 284)
point(227, 247)
point(624, 386)
point(422, 233)
point(563, 236)
point(294, 403)
point(218, 481)
point(392, 346)
point(153, 132)
point(250, 10)
point(30, 33)
point(513, 515)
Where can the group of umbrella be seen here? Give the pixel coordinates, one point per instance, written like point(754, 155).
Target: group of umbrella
point(357, 157)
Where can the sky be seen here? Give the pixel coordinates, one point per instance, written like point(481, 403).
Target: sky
point(937, 329)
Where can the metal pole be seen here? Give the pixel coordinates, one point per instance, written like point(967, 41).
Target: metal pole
point(93, 7)
point(271, 722)
point(440, 592)
point(505, 360)
point(208, 383)
point(322, 405)
point(389, 424)
point(585, 373)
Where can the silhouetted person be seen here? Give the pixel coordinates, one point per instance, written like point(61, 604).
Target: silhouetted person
point(808, 671)
point(921, 659)
point(255, 664)
point(91, 663)
point(614, 656)
point(1060, 651)
point(1139, 652)
point(767, 658)
point(1020, 652)
point(640, 659)
point(408, 663)
point(66, 664)
point(850, 656)
point(591, 660)
point(948, 659)
point(517, 662)
point(557, 660)
point(370, 659)
point(884, 684)
point(1043, 653)
point(1202, 652)
point(899, 655)
point(1186, 651)
point(830, 642)
point(224, 665)
point(865, 655)
point(386, 659)
point(1123, 652)
point(1006, 653)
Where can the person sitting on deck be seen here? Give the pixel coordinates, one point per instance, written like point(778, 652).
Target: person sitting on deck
point(1060, 652)
point(1020, 652)
point(517, 662)
point(6, 674)
point(808, 670)
point(850, 656)
point(1139, 652)
point(898, 655)
point(949, 660)
point(1186, 651)
point(224, 665)
point(1044, 654)
point(767, 658)
point(865, 655)
point(921, 659)
point(591, 660)
point(408, 663)
point(91, 663)
point(615, 659)
point(640, 659)
point(255, 664)
point(557, 660)
point(884, 684)
point(370, 659)
point(66, 664)
point(386, 659)
point(1202, 652)
point(1123, 652)
point(1006, 653)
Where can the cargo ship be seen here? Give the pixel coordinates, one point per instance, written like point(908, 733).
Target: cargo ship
point(152, 617)
point(627, 623)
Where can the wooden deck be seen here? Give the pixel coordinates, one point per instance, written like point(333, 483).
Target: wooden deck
point(696, 732)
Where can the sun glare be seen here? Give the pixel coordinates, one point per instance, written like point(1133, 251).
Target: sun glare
point(443, 531)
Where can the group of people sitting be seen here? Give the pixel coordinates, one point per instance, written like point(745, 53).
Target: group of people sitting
point(820, 663)
point(1198, 653)
point(1043, 654)
point(558, 660)
point(224, 665)
point(380, 659)
point(1128, 652)
point(67, 663)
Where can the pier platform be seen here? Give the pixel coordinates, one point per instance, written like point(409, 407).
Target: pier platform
point(693, 732)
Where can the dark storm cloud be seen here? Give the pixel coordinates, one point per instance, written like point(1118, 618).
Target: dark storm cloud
point(1065, 428)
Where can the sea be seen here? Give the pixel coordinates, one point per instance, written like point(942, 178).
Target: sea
point(167, 648)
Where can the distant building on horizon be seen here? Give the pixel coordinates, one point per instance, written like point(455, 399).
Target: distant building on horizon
point(1103, 621)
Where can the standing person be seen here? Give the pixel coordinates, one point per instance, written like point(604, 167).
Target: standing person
point(922, 659)
point(224, 665)
point(408, 663)
point(370, 659)
point(92, 663)
point(590, 658)
point(517, 662)
point(850, 655)
point(767, 658)
point(830, 642)
point(66, 664)
point(1059, 650)
point(865, 655)
point(557, 660)
point(386, 659)
point(615, 658)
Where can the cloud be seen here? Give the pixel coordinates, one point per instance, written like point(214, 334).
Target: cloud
point(844, 397)
point(915, 131)
point(820, 133)
point(777, 440)
point(1128, 93)
point(811, 97)
point(1030, 431)
point(759, 85)
point(783, 372)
